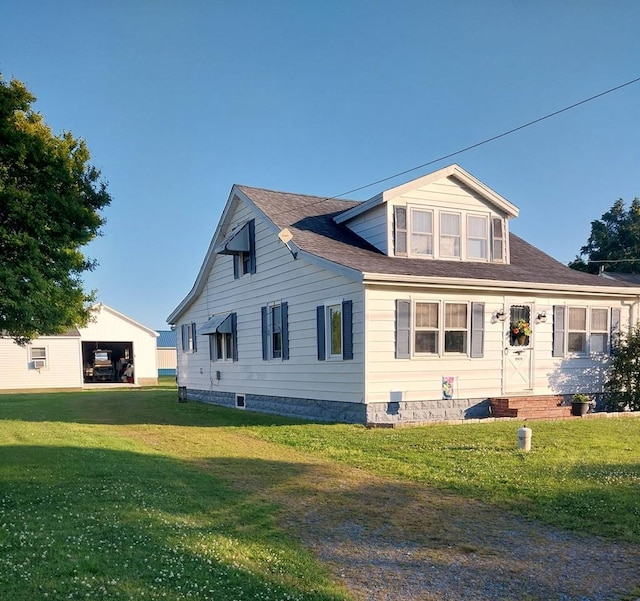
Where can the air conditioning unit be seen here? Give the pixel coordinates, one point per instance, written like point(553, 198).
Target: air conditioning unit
point(39, 363)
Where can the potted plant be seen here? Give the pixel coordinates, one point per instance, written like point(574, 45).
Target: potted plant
point(580, 404)
point(520, 331)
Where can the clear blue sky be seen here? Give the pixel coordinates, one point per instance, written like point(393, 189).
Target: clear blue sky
point(178, 100)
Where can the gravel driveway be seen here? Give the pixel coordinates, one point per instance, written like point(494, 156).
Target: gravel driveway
point(391, 541)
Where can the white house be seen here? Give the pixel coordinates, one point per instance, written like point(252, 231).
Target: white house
point(396, 309)
point(61, 362)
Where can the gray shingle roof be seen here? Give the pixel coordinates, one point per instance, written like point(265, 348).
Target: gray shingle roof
point(310, 220)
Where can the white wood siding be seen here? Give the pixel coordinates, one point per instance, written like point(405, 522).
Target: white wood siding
point(278, 277)
point(420, 378)
point(376, 225)
point(63, 368)
point(372, 226)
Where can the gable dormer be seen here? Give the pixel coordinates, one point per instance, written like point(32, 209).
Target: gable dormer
point(446, 215)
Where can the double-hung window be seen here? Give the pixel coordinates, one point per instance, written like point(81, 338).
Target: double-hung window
point(334, 325)
point(577, 330)
point(583, 330)
point(413, 232)
point(189, 338)
point(497, 240)
point(223, 337)
point(421, 233)
point(275, 331)
point(433, 328)
point(599, 336)
point(456, 327)
point(450, 236)
point(426, 340)
point(477, 236)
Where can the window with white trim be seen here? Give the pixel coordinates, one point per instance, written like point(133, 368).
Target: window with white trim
point(577, 330)
point(497, 240)
point(334, 331)
point(426, 328)
point(189, 340)
point(456, 327)
point(450, 235)
point(221, 346)
point(430, 233)
point(584, 330)
point(599, 331)
point(38, 357)
point(477, 236)
point(400, 230)
point(334, 328)
point(421, 232)
point(275, 331)
point(440, 328)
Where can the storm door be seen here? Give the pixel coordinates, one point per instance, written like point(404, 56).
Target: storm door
point(518, 350)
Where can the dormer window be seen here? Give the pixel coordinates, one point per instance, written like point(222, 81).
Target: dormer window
point(450, 235)
point(497, 234)
point(421, 224)
point(459, 235)
point(477, 236)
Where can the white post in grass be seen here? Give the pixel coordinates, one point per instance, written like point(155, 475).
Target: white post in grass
point(524, 438)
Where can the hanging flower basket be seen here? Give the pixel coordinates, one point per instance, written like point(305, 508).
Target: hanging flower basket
point(520, 331)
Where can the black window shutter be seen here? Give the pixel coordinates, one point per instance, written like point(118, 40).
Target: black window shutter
point(477, 329)
point(212, 347)
point(194, 337)
point(234, 334)
point(320, 333)
point(265, 334)
point(615, 329)
point(252, 246)
point(403, 329)
point(558, 331)
point(284, 307)
point(347, 330)
point(183, 329)
point(236, 266)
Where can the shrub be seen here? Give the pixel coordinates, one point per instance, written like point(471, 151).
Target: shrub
point(623, 384)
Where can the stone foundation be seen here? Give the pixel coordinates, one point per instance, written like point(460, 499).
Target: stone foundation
point(351, 413)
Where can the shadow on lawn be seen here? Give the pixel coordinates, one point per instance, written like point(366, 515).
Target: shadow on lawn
point(121, 524)
point(146, 525)
point(127, 407)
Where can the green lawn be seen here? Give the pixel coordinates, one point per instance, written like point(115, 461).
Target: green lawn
point(582, 475)
point(129, 494)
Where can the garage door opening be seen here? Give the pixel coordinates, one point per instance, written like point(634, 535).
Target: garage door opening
point(106, 361)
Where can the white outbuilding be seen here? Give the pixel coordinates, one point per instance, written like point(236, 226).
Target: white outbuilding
point(69, 361)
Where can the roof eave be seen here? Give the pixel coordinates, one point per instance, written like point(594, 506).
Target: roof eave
point(496, 285)
point(451, 171)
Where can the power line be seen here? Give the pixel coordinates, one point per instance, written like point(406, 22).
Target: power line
point(502, 135)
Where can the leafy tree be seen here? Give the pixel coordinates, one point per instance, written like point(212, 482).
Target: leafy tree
point(50, 198)
point(623, 383)
point(614, 242)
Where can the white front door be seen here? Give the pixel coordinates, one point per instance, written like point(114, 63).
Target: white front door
point(518, 350)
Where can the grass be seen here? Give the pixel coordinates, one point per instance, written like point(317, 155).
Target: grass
point(581, 475)
point(129, 494)
point(105, 496)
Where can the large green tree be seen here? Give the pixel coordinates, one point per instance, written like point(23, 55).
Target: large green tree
point(614, 243)
point(50, 202)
